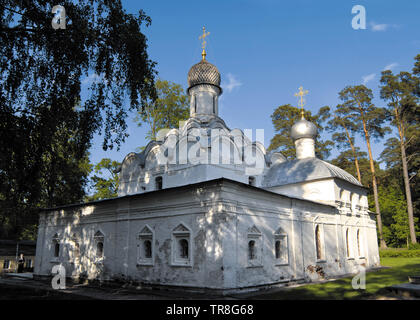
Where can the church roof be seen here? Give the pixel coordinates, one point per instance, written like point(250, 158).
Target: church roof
point(308, 169)
point(203, 73)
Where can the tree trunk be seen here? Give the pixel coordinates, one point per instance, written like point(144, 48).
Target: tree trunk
point(406, 180)
point(375, 188)
point(356, 162)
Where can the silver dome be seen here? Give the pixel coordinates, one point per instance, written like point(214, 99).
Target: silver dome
point(303, 129)
point(203, 73)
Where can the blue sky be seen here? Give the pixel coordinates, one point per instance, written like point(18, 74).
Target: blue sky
point(266, 49)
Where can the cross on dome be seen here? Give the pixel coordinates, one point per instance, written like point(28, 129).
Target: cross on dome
point(203, 45)
point(302, 101)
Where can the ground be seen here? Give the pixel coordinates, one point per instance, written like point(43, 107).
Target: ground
point(397, 271)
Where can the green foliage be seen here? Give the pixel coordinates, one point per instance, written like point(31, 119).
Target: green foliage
point(29, 233)
point(345, 161)
point(170, 107)
point(46, 127)
point(395, 253)
point(105, 180)
point(395, 219)
point(376, 282)
point(414, 246)
point(283, 119)
point(365, 116)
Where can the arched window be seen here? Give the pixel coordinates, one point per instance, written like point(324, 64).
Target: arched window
point(56, 246)
point(254, 247)
point(181, 246)
point(359, 250)
point(99, 241)
point(56, 250)
point(281, 249)
point(278, 249)
point(76, 247)
point(100, 249)
point(158, 182)
point(251, 250)
point(347, 244)
point(319, 255)
point(145, 246)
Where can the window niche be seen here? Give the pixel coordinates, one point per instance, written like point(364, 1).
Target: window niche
point(145, 247)
point(55, 243)
point(319, 243)
point(360, 250)
point(281, 248)
point(158, 183)
point(181, 246)
point(76, 248)
point(254, 247)
point(99, 245)
point(348, 251)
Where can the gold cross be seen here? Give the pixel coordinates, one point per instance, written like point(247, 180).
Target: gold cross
point(203, 36)
point(301, 103)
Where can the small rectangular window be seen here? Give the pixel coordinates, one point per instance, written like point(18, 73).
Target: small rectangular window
point(6, 264)
point(251, 181)
point(158, 181)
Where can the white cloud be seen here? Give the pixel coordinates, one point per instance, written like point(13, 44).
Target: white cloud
point(379, 27)
point(232, 83)
point(368, 78)
point(391, 66)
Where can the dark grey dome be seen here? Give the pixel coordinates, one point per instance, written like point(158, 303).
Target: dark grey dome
point(203, 73)
point(303, 129)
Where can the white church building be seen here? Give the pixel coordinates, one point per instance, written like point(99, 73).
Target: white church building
point(205, 208)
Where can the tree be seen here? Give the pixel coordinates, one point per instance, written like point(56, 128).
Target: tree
point(343, 135)
point(283, 119)
point(346, 161)
point(105, 187)
point(399, 92)
point(394, 210)
point(369, 121)
point(46, 127)
point(170, 107)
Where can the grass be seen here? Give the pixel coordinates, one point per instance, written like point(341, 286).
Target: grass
point(376, 281)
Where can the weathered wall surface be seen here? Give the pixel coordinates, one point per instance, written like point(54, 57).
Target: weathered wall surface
point(218, 218)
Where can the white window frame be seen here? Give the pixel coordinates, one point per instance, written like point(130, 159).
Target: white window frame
point(145, 234)
point(281, 236)
point(179, 233)
point(254, 235)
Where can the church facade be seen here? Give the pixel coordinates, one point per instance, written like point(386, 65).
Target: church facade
point(204, 207)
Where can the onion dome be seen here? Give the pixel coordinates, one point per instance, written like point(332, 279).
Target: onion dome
point(303, 129)
point(203, 73)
